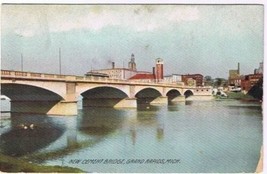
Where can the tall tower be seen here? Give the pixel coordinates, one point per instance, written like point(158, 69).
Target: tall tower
point(159, 69)
point(132, 64)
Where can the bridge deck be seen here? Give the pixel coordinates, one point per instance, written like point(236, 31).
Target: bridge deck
point(21, 75)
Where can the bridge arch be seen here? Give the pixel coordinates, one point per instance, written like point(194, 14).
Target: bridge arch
point(188, 93)
point(172, 94)
point(103, 96)
point(23, 92)
point(56, 88)
point(82, 88)
point(30, 99)
point(147, 95)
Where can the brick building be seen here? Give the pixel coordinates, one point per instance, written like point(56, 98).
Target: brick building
point(193, 79)
point(155, 76)
point(234, 78)
point(159, 69)
point(249, 81)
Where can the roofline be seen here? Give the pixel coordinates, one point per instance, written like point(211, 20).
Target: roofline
point(121, 69)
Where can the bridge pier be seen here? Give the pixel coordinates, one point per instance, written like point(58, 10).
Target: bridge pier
point(44, 107)
point(64, 108)
point(160, 101)
point(110, 102)
point(127, 103)
point(178, 99)
point(32, 107)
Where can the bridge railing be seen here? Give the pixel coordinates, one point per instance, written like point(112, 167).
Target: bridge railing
point(33, 75)
point(22, 74)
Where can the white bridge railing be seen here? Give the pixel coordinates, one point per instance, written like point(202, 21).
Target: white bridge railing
point(58, 77)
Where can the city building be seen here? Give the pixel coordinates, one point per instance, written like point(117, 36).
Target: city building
point(173, 78)
point(234, 77)
point(96, 74)
point(143, 78)
point(192, 79)
point(259, 70)
point(155, 76)
point(120, 73)
point(249, 81)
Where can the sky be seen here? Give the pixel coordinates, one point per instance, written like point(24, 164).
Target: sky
point(205, 39)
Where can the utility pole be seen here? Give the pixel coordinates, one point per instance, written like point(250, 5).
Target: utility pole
point(60, 61)
point(21, 62)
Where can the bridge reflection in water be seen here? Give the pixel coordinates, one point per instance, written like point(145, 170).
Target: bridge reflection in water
point(29, 134)
point(150, 131)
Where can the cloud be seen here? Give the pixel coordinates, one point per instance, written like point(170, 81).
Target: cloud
point(29, 20)
point(24, 20)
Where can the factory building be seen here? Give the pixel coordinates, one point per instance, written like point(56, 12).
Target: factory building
point(234, 78)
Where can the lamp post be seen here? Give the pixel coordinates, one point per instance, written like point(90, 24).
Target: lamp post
point(21, 62)
point(60, 61)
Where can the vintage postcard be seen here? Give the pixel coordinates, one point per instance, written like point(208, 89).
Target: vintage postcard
point(132, 88)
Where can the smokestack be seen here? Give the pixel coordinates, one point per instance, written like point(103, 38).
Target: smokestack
point(153, 71)
point(238, 68)
point(113, 65)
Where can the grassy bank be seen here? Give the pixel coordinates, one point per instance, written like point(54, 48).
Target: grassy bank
point(239, 95)
point(10, 164)
point(27, 163)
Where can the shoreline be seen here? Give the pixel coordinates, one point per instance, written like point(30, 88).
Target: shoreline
point(11, 164)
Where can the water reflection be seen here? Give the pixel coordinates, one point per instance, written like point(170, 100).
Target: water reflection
point(133, 136)
point(192, 133)
point(147, 114)
point(148, 107)
point(173, 106)
point(188, 102)
point(29, 134)
point(160, 132)
point(100, 121)
point(71, 132)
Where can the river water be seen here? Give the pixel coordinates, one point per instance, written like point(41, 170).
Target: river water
point(197, 136)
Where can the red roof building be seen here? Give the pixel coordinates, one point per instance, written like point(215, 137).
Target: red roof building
point(143, 78)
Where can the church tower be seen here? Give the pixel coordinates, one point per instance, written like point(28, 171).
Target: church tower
point(132, 64)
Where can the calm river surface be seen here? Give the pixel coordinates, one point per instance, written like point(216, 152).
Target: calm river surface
point(199, 136)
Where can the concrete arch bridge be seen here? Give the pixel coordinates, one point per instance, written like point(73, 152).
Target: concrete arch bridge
point(58, 94)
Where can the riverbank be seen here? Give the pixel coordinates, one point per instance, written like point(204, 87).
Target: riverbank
point(200, 98)
point(10, 164)
point(239, 96)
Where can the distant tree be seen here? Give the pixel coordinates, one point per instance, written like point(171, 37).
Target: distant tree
point(207, 78)
point(257, 90)
point(219, 82)
point(208, 81)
